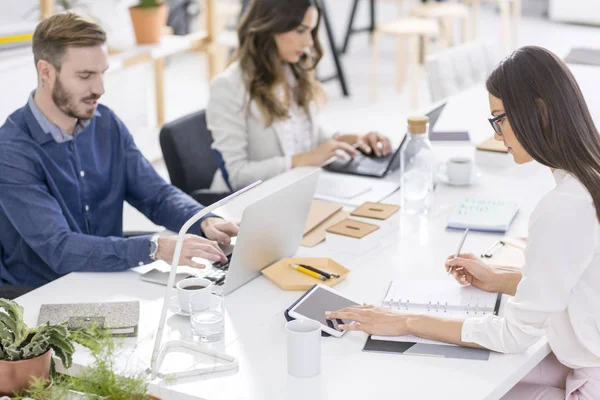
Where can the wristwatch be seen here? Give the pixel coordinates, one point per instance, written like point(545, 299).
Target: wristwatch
point(153, 247)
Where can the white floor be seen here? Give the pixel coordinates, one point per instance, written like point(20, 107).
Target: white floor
point(186, 89)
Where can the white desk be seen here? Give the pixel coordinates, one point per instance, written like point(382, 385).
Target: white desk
point(255, 323)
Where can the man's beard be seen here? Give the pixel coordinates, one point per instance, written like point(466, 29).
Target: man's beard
point(64, 101)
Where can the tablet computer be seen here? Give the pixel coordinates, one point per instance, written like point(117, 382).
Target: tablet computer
point(319, 299)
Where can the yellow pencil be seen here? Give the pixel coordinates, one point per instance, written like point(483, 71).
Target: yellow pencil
point(307, 272)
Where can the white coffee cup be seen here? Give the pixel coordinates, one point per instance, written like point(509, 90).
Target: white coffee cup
point(303, 348)
point(459, 170)
point(185, 290)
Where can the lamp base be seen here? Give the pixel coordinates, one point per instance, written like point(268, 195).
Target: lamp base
point(231, 362)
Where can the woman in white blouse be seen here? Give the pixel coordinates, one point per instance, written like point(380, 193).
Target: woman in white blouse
point(540, 114)
point(263, 109)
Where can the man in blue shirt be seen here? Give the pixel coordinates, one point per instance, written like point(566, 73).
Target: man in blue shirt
point(67, 164)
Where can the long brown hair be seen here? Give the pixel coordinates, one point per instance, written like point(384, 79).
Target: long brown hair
point(260, 62)
point(548, 114)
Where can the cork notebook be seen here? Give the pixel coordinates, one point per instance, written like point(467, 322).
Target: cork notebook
point(120, 318)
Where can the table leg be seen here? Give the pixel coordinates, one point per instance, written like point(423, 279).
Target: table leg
point(349, 27)
point(212, 30)
point(413, 51)
point(334, 50)
point(515, 22)
point(424, 41)
point(504, 15)
point(374, 64)
point(46, 8)
point(159, 87)
point(401, 61)
point(475, 4)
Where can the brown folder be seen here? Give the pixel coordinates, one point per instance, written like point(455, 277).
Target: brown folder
point(353, 229)
point(377, 211)
point(322, 215)
point(492, 145)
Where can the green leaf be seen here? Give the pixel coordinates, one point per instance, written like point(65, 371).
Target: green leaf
point(150, 3)
point(65, 357)
point(13, 309)
point(62, 342)
point(85, 340)
point(6, 336)
point(10, 323)
point(12, 317)
point(35, 349)
point(13, 353)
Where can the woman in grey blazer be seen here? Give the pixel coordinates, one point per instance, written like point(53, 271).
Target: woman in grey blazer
point(263, 109)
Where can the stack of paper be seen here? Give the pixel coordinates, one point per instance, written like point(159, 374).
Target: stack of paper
point(352, 190)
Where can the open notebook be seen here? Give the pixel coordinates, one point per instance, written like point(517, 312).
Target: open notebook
point(483, 215)
point(444, 299)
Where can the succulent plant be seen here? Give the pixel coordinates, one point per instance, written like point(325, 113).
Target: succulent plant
point(18, 342)
point(150, 3)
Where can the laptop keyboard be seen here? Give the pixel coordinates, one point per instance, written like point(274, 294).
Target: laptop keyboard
point(364, 164)
point(216, 273)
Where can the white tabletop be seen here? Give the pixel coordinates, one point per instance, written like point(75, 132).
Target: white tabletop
point(254, 330)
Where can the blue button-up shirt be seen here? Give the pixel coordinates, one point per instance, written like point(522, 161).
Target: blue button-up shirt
point(61, 198)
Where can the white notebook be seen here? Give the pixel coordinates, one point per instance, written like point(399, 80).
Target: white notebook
point(483, 215)
point(446, 299)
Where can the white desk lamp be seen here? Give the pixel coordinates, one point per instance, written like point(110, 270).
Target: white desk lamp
point(158, 354)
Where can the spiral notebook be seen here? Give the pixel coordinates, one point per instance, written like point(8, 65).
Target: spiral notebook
point(483, 215)
point(444, 299)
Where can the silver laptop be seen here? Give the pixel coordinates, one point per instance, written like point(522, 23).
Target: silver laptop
point(271, 229)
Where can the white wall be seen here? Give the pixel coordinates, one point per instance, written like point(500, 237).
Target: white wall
point(12, 11)
point(578, 11)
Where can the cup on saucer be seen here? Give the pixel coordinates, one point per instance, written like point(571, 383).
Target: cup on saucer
point(192, 286)
point(457, 171)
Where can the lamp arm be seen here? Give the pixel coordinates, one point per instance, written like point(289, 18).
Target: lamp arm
point(176, 256)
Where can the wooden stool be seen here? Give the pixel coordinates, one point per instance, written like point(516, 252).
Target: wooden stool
point(407, 31)
point(508, 8)
point(445, 13)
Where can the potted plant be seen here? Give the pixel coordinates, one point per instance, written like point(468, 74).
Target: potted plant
point(148, 18)
point(98, 381)
point(26, 354)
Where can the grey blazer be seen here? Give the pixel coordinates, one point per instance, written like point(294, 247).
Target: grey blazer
point(251, 150)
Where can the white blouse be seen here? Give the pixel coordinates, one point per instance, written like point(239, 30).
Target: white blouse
point(559, 294)
point(298, 127)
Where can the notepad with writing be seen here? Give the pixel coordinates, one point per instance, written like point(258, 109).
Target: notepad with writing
point(483, 215)
point(445, 299)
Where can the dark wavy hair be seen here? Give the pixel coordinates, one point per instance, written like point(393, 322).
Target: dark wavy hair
point(260, 61)
point(548, 114)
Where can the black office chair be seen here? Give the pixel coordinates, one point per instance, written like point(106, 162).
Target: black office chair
point(190, 160)
point(11, 292)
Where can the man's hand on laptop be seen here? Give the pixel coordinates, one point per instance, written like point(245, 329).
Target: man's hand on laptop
point(193, 246)
point(219, 229)
point(321, 154)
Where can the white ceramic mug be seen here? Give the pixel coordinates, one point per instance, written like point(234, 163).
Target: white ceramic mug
point(459, 170)
point(183, 293)
point(303, 348)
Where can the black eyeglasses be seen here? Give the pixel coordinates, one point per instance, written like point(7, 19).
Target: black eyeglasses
point(495, 123)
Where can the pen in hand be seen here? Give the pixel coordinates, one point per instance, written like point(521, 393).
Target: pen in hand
point(462, 242)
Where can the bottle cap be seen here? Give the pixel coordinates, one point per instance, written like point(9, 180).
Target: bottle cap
point(418, 124)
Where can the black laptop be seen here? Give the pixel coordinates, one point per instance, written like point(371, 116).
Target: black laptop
point(373, 166)
point(367, 165)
